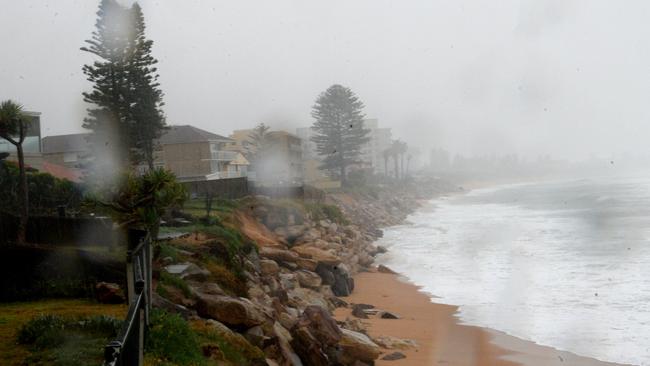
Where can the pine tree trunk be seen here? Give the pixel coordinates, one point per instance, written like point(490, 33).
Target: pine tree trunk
point(24, 212)
point(150, 158)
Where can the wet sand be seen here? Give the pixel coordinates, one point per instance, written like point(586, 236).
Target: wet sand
point(441, 340)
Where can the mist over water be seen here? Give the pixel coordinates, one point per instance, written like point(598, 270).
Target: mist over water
point(564, 264)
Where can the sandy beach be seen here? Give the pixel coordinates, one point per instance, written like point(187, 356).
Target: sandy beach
point(441, 340)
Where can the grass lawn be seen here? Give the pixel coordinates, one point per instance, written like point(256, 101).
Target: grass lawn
point(14, 315)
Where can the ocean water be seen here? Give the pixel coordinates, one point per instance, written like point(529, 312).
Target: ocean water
point(564, 264)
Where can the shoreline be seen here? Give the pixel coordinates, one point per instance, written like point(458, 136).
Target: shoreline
point(441, 338)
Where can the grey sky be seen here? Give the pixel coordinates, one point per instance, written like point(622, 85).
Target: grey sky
point(562, 77)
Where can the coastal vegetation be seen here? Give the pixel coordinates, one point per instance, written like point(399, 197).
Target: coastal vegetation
point(339, 130)
point(18, 320)
point(46, 192)
point(126, 117)
point(13, 128)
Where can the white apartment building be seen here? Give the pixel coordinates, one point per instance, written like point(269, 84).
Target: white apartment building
point(372, 153)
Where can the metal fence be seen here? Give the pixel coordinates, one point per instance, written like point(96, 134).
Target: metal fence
point(128, 348)
point(231, 188)
point(49, 230)
point(301, 191)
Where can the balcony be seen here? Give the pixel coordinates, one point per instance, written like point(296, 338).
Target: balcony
point(226, 175)
point(224, 155)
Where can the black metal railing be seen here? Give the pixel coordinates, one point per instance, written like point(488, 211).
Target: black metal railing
point(128, 347)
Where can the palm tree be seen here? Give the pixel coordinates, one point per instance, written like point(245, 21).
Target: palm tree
point(394, 152)
point(402, 149)
point(13, 128)
point(413, 152)
point(387, 153)
point(408, 163)
point(258, 142)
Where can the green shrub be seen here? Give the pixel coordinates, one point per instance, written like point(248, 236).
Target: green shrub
point(171, 339)
point(67, 341)
point(175, 281)
point(99, 324)
point(165, 250)
point(322, 211)
point(232, 346)
point(43, 331)
point(232, 282)
point(138, 200)
point(229, 246)
point(162, 291)
point(46, 192)
point(233, 238)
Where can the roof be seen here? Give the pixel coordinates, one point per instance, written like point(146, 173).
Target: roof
point(282, 133)
point(188, 134)
point(62, 172)
point(65, 143)
point(239, 160)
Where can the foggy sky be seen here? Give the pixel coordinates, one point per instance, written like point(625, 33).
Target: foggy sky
point(566, 78)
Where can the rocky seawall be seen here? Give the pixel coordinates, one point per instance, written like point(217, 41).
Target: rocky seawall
point(276, 297)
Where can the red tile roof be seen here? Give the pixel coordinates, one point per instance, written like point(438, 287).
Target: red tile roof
point(62, 172)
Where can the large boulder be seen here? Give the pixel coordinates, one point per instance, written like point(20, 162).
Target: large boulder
point(357, 346)
point(390, 342)
point(236, 312)
point(358, 310)
point(160, 302)
point(287, 320)
point(383, 269)
point(278, 255)
point(365, 260)
point(109, 293)
point(317, 254)
point(284, 340)
point(324, 223)
point(309, 236)
point(315, 337)
point(308, 264)
point(308, 279)
point(294, 232)
point(337, 277)
point(356, 325)
point(209, 288)
point(388, 315)
point(303, 297)
point(352, 232)
point(288, 281)
point(394, 356)
point(320, 244)
point(269, 267)
point(188, 270)
point(235, 340)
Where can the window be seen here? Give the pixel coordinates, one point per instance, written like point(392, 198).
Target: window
point(70, 157)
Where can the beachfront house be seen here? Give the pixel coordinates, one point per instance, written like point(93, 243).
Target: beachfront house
point(195, 154)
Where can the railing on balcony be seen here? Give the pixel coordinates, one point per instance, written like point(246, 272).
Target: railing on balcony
point(231, 174)
point(128, 348)
point(224, 155)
